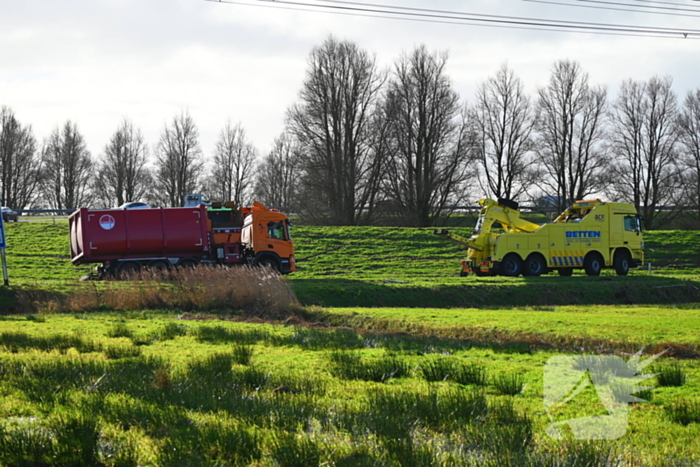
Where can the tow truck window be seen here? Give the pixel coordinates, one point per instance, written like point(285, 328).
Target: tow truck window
point(477, 227)
point(276, 230)
point(631, 224)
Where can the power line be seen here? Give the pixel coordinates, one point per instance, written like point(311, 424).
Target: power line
point(428, 15)
point(611, 9)
point(665, 3)
point(641, 6)
point(456, 23)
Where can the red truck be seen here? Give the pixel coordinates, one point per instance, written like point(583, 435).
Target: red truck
point(127, 240)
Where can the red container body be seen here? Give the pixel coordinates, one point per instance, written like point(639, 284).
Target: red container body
point(101, 235)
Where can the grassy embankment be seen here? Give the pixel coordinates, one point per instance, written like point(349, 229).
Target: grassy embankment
point(456, 386)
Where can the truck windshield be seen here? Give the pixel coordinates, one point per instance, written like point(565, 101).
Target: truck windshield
point(632, 224)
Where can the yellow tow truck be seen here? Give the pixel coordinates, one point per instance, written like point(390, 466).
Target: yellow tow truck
point(589, 235)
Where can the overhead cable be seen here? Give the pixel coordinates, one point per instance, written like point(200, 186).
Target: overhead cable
point(630, 10)
point(454, 17)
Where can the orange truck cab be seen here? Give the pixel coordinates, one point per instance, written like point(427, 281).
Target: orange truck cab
point(252, 235)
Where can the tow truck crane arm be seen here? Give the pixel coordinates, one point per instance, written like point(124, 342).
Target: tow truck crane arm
point(503, 211)
point(457, 238)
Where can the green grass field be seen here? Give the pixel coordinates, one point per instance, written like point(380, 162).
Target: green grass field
point(397, 361)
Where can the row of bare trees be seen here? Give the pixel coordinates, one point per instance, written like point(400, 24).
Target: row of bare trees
point(62, 174)
point(365, 140)
point(361, 143)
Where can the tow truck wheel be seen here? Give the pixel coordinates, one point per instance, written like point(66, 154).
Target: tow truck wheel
point(534, 266)
point(622, 263)
point(511, 265)
point(593, 264)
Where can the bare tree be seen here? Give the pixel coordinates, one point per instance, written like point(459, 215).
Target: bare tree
point(333, 125)
point(277, 177)
point(689, 127)
point(20, 165)
point(68, 169)
point(504, 123)
point(645, 137)
point(234, 165)
point(179, 162)
point(430, 144)
point(571, 133)
point(122, 174)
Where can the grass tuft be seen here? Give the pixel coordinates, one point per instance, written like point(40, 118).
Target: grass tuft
point(76, 438)
point(684, 411)
point(471, 373)
point(671, 375)
point(121, 351)
point(509, 384)
point(290, 450)
point(252, 378)
point(25, 445)
point(120, 330)
point(242, 354)
point(170, 331)
point(349, 365)
point(18, 341)
point(316, 339)
point(440, 369)
point(577, 454)
point(444, 369)
point(221, 334)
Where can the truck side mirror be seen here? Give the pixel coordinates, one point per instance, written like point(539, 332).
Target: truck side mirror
point(640, 219)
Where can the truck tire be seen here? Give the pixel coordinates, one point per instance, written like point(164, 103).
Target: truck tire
point(270, 263)
point(593, 263)
point(535, 265)
point(622, 262)
point(511, 265)
point(565, 272)
point(159, 265)
point(128, 268)
point(187, 264)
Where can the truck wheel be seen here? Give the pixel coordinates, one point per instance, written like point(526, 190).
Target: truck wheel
point(534, 266)
point(159, 265)
point(593, 264)
point(187, 264)
point(128, 268)
point(511, 265)
point(622, 263)
point(269, 263)
point(566, 272)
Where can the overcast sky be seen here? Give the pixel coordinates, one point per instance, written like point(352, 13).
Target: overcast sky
point(96, 62)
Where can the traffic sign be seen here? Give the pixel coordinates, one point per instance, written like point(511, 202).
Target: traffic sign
point(2, 233)
point(5, 278)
